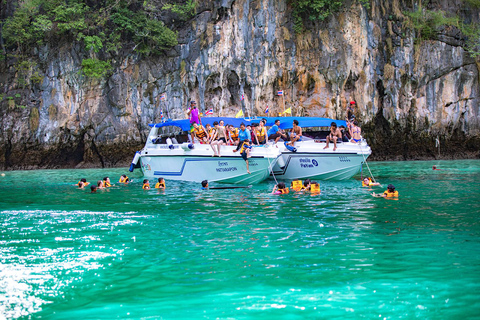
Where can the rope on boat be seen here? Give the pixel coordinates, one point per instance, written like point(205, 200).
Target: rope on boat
point(271, 169)
point(365, 161)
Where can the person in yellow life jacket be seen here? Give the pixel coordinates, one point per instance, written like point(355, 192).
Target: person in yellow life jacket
point(306, 185)
point(389, 193)
point(200, 133)
point(296, 185)
point(315, 188)
point(106, 182)
point(124, 179)
point(280, 188)
point(261, 132)
point(245, 152)
point(146, 184)
point(100, 184)
point(82, 183)
point(233, 134)
point(160, 184)
point(367, 182)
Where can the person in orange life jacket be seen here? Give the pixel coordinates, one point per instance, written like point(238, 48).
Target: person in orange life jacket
point(146, 184)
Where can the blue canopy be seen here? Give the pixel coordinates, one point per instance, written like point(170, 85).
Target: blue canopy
point(285, 122)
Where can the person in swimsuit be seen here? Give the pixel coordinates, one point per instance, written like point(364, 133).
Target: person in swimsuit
point(333, 136)
point(296, 133)
point(355, 132)
point(222, 134)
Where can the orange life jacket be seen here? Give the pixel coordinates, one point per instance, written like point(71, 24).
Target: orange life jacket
point(297, 185)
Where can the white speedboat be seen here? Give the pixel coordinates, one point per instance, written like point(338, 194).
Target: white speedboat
point(163, 156)
point(309, 159)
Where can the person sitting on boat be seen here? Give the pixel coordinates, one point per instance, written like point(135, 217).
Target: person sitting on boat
point(295, 134)
point(345, 134)
point(100, 184)
point(243, 135)
point(355, 132)
point(389, 193)
point(214, 141)
point(146, 184)
point(124, 179)
point(245, 152)
point(209, 130)
point(160, 184)
point(261, 132)
point(194, 116)
point(82, 183)
point(253, 133)
point(350, 117)
point(205, 185)
point(275, 133)
point(280, 188)
point(222, 133)
point(296, 185)
point(333, 136)
point(232, 135)
point(106, 182)
point(200, 133)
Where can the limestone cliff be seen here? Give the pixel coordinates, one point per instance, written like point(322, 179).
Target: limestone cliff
point(409, 93)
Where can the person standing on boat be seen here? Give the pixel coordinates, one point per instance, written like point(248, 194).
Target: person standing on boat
point(262, 132)
point(275, 133)
point(243, 135)
point(333, 136)
point(296, 133)
point(194, 116)
point(355, 132)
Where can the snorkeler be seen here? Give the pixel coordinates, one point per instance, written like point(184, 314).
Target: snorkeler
point(146, 184)
point(280, 188)
point(160, 184)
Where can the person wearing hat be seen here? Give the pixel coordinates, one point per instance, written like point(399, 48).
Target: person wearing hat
point(194, 117)
point(389, 193)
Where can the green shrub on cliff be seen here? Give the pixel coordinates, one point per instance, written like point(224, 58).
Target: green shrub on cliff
point(95, 68)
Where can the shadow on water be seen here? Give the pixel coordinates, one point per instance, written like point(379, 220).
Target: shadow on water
point(242, 253)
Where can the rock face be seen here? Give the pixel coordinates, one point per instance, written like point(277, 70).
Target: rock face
point(412, 96)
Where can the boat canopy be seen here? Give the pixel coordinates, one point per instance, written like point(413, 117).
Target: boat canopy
point(285, 122)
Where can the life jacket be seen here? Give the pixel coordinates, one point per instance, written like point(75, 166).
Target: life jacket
point(200, 133)
point(107, 184)
point(84, 183)
point(315, 188)
point(146, 186)
point(261, 134)
point(284, 191)
point(297, 185)
point(160, 185)
point(234, 134)
point(123, 180)
point(244, 147)
point(391, 194)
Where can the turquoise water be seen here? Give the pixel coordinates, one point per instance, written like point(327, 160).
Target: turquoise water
point(242, 254)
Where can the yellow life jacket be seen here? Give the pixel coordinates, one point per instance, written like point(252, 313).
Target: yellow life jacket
point(84, 184)
point(284, 191)
point(391, 194)
point(297, 185)
point(146, 186)
point(315, 188)
point(107, 184)
point(123, 180)
point(234, 134)
point(160, 185)
point(262, 134)
point(243, 148)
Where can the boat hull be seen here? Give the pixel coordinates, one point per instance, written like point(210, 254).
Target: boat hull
point(314, 162)
point(214, 169)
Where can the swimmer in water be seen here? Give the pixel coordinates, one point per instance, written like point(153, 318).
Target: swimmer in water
point(389, 193)
point(82, 183)
point(146, 184)
point(160, 184)
point(106, 182)
point(280, 188)
point(435, 168)
point(205, 185)
point(93, 189)
point(100, 184)
point(124, 179)
point(367, 182)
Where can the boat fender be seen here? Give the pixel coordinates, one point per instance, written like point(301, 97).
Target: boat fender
point(187, 146)
point(134, 161)
point(170, 144)
point(290, 148)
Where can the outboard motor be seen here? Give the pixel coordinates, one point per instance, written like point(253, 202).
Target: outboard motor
point(134, 161)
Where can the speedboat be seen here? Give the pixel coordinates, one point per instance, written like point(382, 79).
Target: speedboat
point(168, 153)
point(308, 158)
